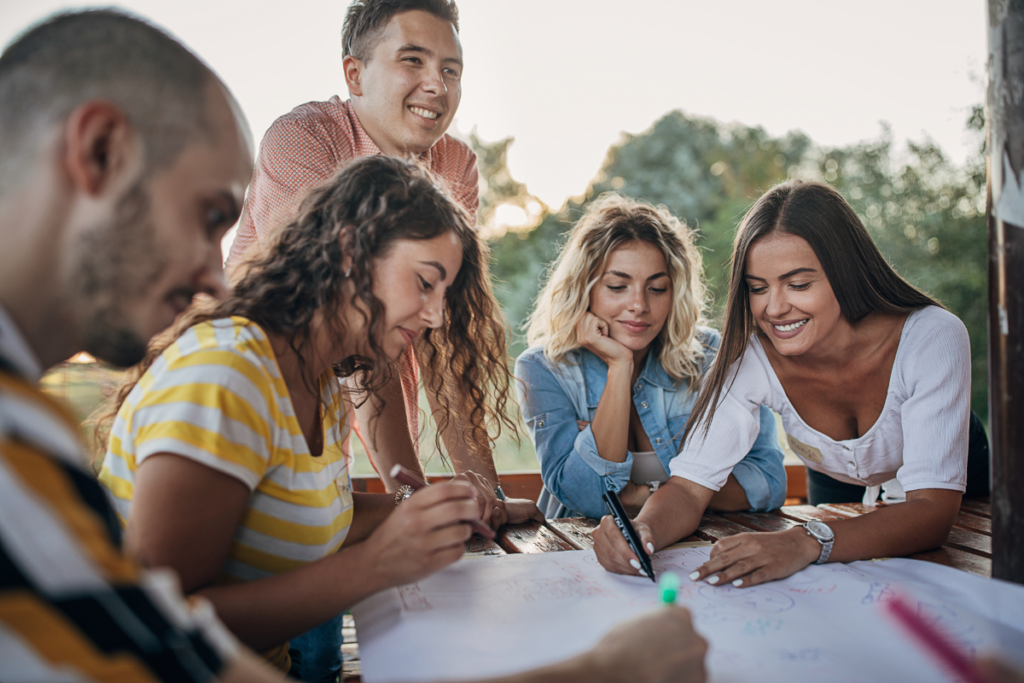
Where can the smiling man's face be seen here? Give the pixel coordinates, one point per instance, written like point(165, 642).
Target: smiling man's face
point(406, 94)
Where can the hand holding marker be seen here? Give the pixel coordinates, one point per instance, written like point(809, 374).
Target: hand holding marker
point(618, 513)
point(404, 476)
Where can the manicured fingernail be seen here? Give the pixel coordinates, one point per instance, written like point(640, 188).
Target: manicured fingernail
point(714, 579)
point(634, 564)
point(694, 576)
point(738, 582)
point(650, 547)
point(643, 572)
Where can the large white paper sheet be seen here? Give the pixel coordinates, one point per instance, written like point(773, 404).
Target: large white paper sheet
point(491, 616)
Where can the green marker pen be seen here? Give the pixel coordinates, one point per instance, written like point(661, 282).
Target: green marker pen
point(669, 586)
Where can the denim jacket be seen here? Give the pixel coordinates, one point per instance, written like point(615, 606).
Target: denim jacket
point(553, 397)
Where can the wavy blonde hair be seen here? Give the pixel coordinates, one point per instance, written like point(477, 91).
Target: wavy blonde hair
point(610, 222)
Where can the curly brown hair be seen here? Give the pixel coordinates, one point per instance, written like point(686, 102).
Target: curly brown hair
point(382, 199)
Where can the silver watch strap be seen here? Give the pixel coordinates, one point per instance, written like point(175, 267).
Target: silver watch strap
point(826, 550)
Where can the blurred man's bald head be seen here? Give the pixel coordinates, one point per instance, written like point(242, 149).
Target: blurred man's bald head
point(159, 85)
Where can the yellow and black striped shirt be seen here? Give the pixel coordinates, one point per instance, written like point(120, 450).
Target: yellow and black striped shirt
point(72, 608)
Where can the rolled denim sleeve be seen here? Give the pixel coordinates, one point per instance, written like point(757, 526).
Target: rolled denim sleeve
point(761, 472)
point(569, 463)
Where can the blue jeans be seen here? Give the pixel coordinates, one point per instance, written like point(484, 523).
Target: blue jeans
point(316, 654)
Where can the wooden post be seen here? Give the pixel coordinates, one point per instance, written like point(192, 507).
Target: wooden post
point(1005, 117)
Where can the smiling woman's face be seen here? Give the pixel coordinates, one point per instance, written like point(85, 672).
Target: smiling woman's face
point(790, 297)
point(411, 281)
point(633, 295)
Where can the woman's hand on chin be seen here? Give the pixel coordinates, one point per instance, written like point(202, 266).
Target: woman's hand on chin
point(593, 334)
point(749, 559)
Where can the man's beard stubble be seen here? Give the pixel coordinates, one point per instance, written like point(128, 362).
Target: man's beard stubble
point(119, 262)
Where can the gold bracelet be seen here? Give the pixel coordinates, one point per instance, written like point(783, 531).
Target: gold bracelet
point(402, 493)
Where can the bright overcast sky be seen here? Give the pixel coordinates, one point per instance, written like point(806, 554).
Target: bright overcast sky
point(566, 77)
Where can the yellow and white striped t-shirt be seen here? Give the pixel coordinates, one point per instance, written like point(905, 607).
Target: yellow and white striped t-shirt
point(216, 396)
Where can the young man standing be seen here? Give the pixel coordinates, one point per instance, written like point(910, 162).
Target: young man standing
point(403, 67)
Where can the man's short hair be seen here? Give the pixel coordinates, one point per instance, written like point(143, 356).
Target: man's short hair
point(107, 55)
point(366, 19)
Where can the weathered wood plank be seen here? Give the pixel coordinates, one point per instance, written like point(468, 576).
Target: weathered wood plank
point(352, 672)
point(758, 521)
point(850, 509)
point(805, 513)
point(966, 520)
point(977, 506)
point(972, 541)
point(351, 669)
point(575, 530)
point(532, 537)
point(958, 559)
point(480, 546)
point(714, 528)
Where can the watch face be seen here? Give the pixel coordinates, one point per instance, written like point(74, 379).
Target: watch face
point(820, 530)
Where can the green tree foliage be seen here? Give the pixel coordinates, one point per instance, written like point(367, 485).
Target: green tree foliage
point(925, 213)
point(928, 218)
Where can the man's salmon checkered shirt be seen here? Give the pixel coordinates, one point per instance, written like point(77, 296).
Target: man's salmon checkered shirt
point(307, 146)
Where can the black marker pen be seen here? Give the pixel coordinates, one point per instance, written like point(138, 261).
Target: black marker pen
point(618, 513)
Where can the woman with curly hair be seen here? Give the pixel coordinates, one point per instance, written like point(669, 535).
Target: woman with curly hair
point(225, 458)
point(617, 350)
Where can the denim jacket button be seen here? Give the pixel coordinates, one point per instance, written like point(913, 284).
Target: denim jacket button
point(644, 404)
point(540, 423)
point(657, 441)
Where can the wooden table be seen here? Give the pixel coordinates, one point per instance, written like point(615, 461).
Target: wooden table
point(969, 546)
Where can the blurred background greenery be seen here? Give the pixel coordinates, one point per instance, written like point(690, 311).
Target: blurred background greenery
point(926, 214)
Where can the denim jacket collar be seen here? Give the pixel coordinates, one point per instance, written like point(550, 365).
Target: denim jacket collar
point(595, 371)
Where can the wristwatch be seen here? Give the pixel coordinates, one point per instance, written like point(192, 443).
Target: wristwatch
point(498, 493)
point(822, 533)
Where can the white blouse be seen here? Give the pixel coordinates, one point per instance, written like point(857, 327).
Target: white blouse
point(920, 438)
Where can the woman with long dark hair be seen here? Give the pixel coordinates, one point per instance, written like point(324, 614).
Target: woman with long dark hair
point(871, 377)
point(226, 457)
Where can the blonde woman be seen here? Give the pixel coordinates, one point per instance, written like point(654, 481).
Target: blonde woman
point(616, 354)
